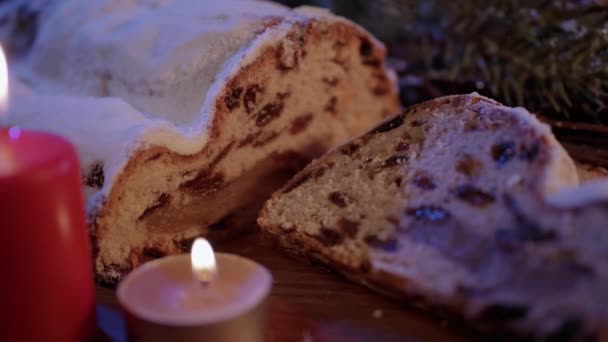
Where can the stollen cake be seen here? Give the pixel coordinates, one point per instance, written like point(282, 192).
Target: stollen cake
point(187, 114)
point(462, 203)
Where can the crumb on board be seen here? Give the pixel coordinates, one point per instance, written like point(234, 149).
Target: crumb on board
point(377, 314)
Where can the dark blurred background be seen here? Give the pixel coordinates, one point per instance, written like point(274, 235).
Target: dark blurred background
point(547, 55)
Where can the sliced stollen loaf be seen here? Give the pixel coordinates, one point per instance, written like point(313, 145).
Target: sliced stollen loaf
point(446, 203)
point(187, 114)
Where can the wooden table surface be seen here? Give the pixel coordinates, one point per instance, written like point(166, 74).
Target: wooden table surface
point(312, 303)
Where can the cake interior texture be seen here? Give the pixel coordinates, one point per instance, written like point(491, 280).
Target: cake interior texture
point(446, 203)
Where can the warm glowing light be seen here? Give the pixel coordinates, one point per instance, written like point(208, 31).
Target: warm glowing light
point(3, 83)
point(203, 261)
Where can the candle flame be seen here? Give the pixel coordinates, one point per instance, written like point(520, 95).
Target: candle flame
point(203, 261)
point(3, 83)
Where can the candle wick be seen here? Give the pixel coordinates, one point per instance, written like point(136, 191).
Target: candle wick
point(205, 284)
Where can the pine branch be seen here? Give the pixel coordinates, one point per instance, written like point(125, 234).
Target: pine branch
point(550, 56)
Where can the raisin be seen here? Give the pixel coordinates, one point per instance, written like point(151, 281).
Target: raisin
point(472, 122)
point(162, 201)
point(250, 99)
point(366, 48)
point(348, 227)
point(503, 152)
point(95, 177)
point(339, 198)
point(424, 182)
point(330, 106)
point(318, 173)
point(417, 123)
point(395, 160)
point(429, 213)
point(402, 146)
point(233, 98)
point(526, 230)
point(329, 237)
point(468, 166)
point(268, 113)
point(153, 252)
point(389, 125)
point(398, 181)
point(286, 62)
point(350, 149)
point(472, 125)
point(373, 62)
point(340, 62)
point(473, 195)
point(381, 90)
point(529, 152)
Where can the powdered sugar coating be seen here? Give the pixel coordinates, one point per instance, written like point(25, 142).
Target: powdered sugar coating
point(116, 76)
point(143, 51)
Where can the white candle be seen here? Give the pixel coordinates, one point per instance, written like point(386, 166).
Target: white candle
point(202, 296)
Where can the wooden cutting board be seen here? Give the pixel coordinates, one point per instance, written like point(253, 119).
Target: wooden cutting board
point(311, 303)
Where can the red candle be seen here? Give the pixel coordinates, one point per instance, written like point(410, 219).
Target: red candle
point(47, 291)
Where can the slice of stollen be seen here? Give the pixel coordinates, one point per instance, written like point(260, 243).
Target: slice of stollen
point(448, 202)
